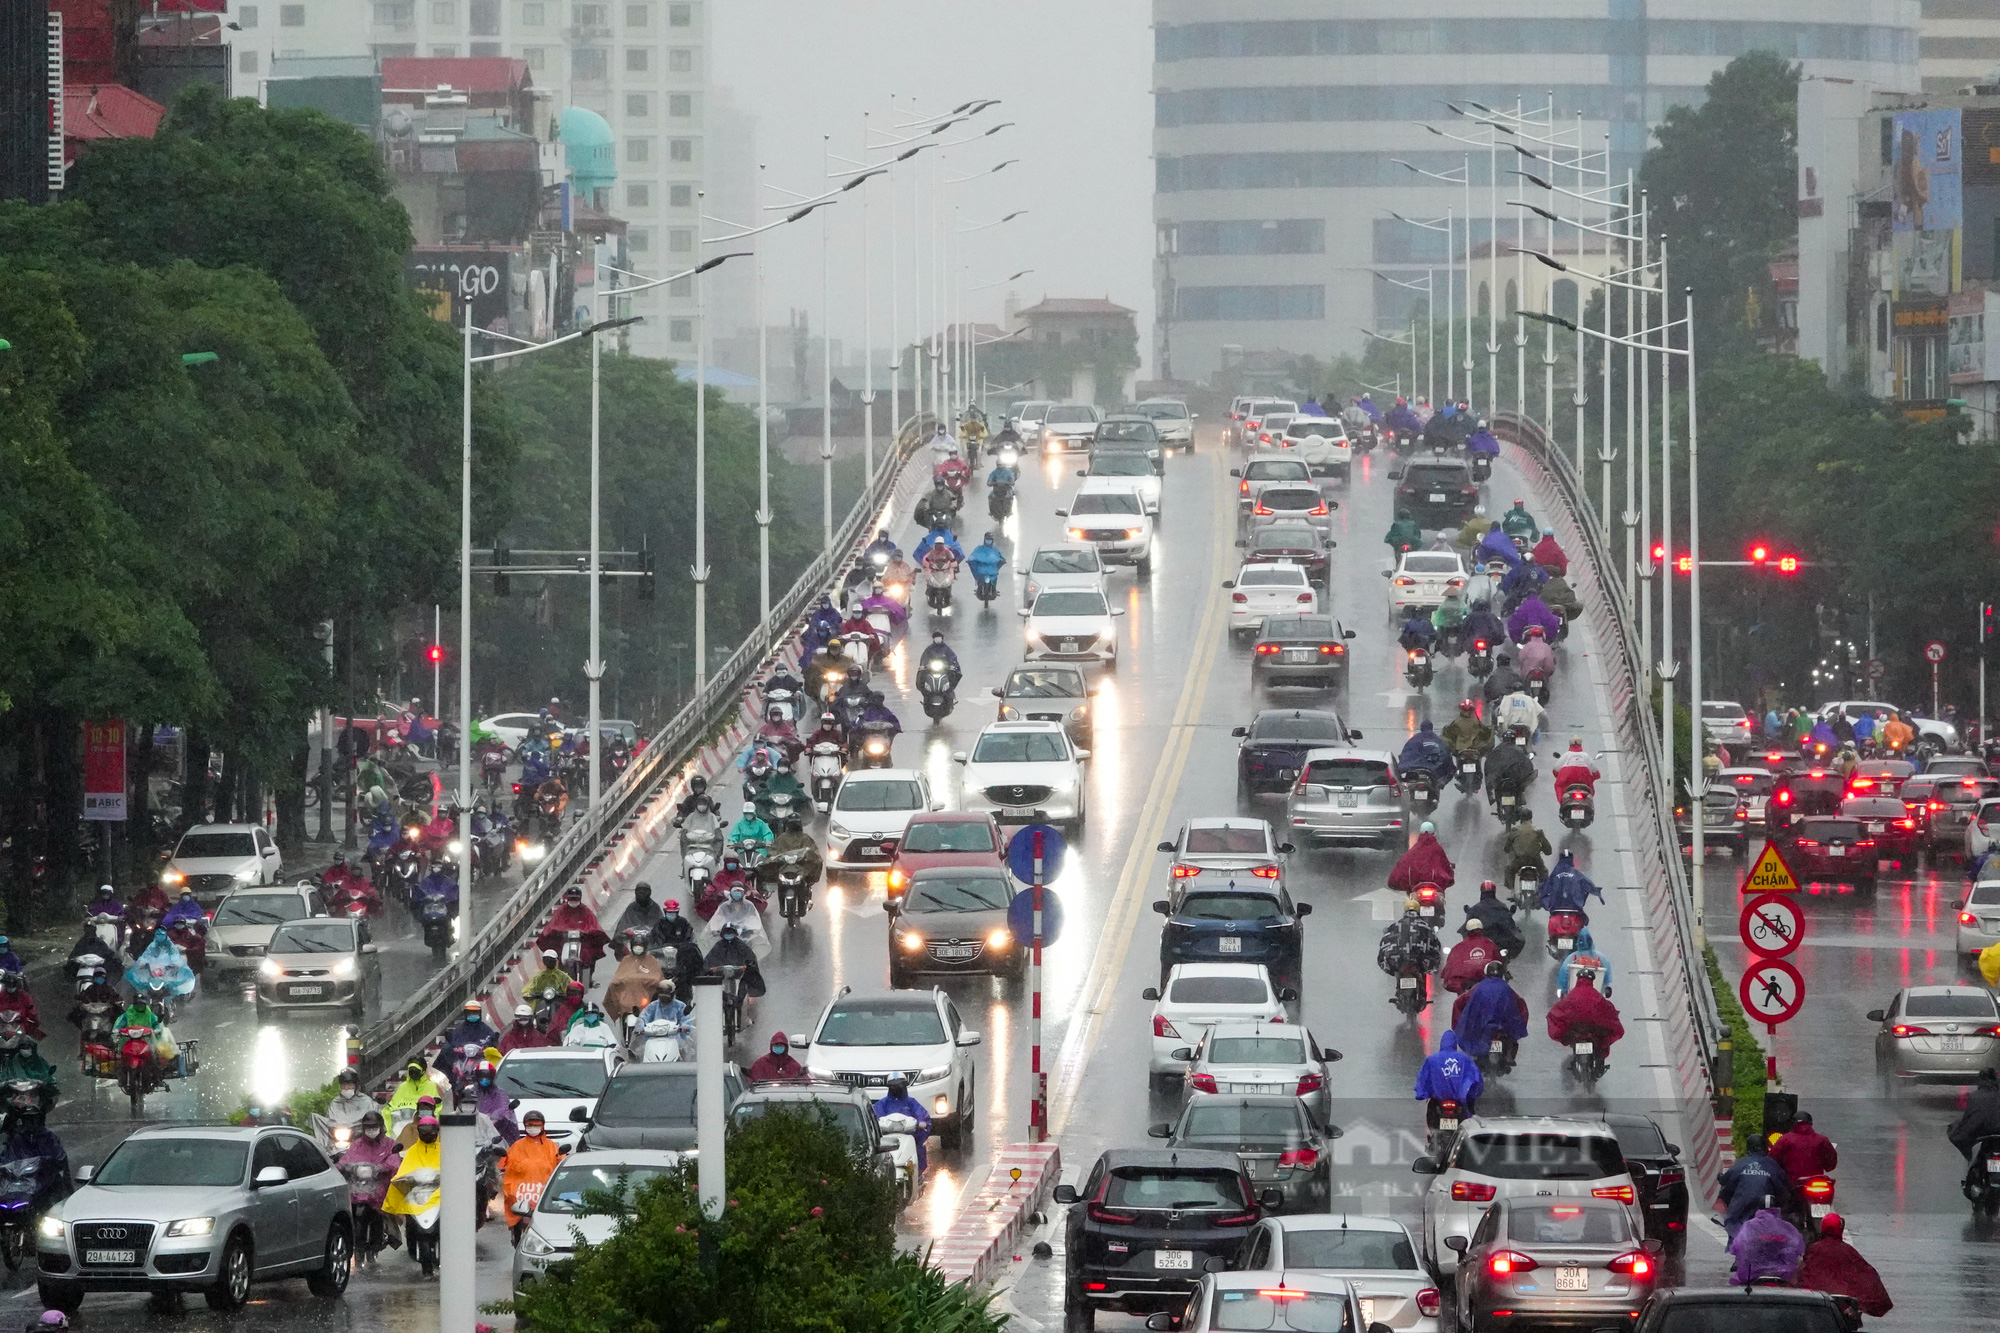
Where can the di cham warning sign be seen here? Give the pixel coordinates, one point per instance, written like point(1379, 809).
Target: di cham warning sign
point(1770, 874)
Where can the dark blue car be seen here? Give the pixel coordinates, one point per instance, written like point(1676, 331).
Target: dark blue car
point(1274, 745)
point(1232, 922)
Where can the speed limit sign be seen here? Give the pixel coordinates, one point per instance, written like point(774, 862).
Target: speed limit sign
point(1934, 651)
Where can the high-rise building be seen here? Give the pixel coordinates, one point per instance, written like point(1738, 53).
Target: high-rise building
point(1961, 44)
point(1279, 127)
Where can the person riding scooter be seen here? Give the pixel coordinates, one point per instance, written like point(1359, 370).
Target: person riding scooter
point(1535, 655)
point(1426, 751)
point(1518, 522)
point(1567, 889)
point(1404, 534)
point(987, 558)
point(1466, 734)
point(900, 1102)
point(1524, 847)
point(571, 914)
point(1509, 770)
point(1491, 1010)
point(1549, 555)
point(1584, 1014)
point(1424, 863)
point(1574, 770)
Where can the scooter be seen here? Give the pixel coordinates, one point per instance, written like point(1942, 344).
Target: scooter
point(1479, 659)
point(1443, 1136)
point(1497, 1053)
point(570, 956)
point(421, 1235)
point(1538, 687)
point(1586, 1062)
point(1526, 888)
point(1417, 670)
point(108, 928)
point(1468, 773)
point(1982, 1177)
point(370, 1237)
point(1430, 905)
point(1579, 806)
point(781, 698)
point(1563, 927)
point(138, 1067)
point(1482, 468)
point(1000, 501)
point(794, 888)
point(939, 694)
point(937, 588)
point(1423, 787)
point(899, 1133)
point(1814, 1204)
point(190, 936)
point(660, 1040)
point(1413, 989)
point(985, 590)
point(825, 768)
point(1511, 806)
point(436, 914)
point(870, 745)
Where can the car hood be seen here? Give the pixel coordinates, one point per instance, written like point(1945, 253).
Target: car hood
point(1066, 582)
point(148, 1203)
point(953, 925)
point(672, 1138)
point(562, 1229)
point(556, 1112)
point(875, 823)
point(869, 1059)
point(240, 937)
point(911, 862)
point(980, 776)
point(1069, 627)
point(215, 865)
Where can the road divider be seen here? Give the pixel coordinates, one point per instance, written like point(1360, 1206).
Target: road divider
point(992, 1220)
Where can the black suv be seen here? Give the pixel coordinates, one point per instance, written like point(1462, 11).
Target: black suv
point(1777, 1309)
point(1660, 1176)
point(1816, 791)
point(1143, 1224)
point(1274, 745)
point(1438, 492)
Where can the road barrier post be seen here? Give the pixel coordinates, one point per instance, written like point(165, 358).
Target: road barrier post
point(708, 1109)
point(458, 1250)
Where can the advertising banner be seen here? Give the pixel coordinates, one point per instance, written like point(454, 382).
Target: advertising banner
point(479, 274)
point(104, 770)
point(1928, 202)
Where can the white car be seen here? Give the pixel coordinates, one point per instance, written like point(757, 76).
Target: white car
point(871, 807)
point(1322, 442)
point(1196, 997)
point(1262, 590)
point(511, 727)
point(559, 1222)
point(1016, 769)
point(1375, 1254)
point(1726, 723)
point(1267, 470)
point(863, 1037)
point(1422, 579)
point(1128, 465)
point(214, 859)
point(1072, 627)
point(1979, 917)
point(1110, 514)
point(1271, 430)
point(1027, 418)
point(239, 929)
point(1516, 1156)
point(562, 1082)
point(1170, 416)
point(1065, 565)
point(1069, 426)
point(1979, 828)
point(1934, 736)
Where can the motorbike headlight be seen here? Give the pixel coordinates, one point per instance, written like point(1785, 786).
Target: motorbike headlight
point(269, 967)
point(343, 967)
point(933, 1074)
point(534, 851)
point(245, 876)
point(456, 848)
point(534, 1246)
point(191, 1226)
point(51, 1228)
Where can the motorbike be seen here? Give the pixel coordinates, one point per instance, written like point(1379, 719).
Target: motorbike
point(1538, 687)
point(404, 873)
point(20, 1189)
point(138, 1067)
point(95, 1030)
point(782, 698)
point(659, 1040)
point(899, 1133)
point(369, 1236)
point(1000, 501)
point(1417, 670)
point(1482, 468)
point(774, 808)
point(1430, 905)
point(1811, 1204)
point(1982, 1177)
point(1479, 659)
point(190, 936)
point(1413, 988)
point(492, 768)
point(1563, 927)
point(570, 955)
point(1525, 888)
point(830, 681)
point(1497, 1053)
point(1468, 773)
point(985, 590)
point(869, 745)
point(1446, 1115)
point(421, 1235)
point(1423, 785)
point(436, 915)
point(108, 928)
point(493, 850)
point(701, 832)
point(1579, 806)
point(1511, 806)
point(794, 888)
point(1585, 1063)
point(824, 769)
point(733, 995)
point(937, 587)
point(939, 694)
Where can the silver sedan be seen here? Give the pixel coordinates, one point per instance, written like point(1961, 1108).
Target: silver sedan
point(1947, 1033)
point(1261, 1057)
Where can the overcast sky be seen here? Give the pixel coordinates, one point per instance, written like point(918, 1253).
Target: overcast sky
point(1074, 76)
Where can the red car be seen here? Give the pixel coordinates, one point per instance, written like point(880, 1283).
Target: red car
point(1830, 850)
point(947, 838)
point(1895, 830)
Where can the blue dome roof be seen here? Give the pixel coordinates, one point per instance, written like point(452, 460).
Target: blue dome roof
point(590, 150)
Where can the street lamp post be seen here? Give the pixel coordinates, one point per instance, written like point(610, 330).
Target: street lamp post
point(1450, 298)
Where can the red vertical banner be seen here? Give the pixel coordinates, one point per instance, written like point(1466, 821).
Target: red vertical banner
point(104, 770)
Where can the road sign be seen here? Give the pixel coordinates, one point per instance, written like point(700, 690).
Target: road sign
point(1770, 874)
point(1934, 651)
point(1021, 916)
point(1021, 853)
point(1771, 926)
point(1877, 668)
point(1772, 991)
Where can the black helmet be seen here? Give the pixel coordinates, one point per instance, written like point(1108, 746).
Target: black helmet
point(697, 784)
point(937, 636)
point(899, 1086)
point(992, 539)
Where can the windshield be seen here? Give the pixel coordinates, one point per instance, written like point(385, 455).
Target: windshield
point(1239, 841)
point(1347, 773)
point(1715, 710)
point(565, 1190)
point(1540, 1156)
point(1020, 747)
point(1120, 465)
point(1443, 478)
point(1141, 431)
point(1272, 576)
point(1160, 411)
point(1255, 1051)
point(1239, 1122)
point(1569, 1224)
point(961, 893)
point(881, 794)
point(1297, 729)
point(1028, 684)
point(176, 1162)
point(1231, 907)
point(845, 1115)
point(1251, 1311)
point(955, 835)
point(1071, 415)
point(1058, 560)
point(1033, 411)
point(1071, 604)
point(1349, 1248)
point(1277, 498)
point(198, 845)
point(651, 1099)
point(1219, 990)
point(1957, 1004)
point(1431, 564)
point(882, 1023)
point(314, 937)
point(260, 909)
point(1300, 428)
point(1277, 469)
point(1144, 1187)
point(1107, 502)
point(1740, 1316)
point(1640, 1139)
point(531, 1079)
point(1287, 537)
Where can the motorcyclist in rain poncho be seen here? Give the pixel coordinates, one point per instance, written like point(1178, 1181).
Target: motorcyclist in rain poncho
point(162, 965)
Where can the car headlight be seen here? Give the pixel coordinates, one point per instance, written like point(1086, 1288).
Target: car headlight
point(1082, 710)
point(910, 940)
point(933, 1074)
point(51, 1228)
point(1000, 938)
point(1075, 534)
point(818, 1072)
point(269, 967)
point(245, 876)
point(1133, 534)
point(835, 829)
point(191, 1226)
point(534, 1246)
point(343, 967)
point(1009, 713)
point(171, 877)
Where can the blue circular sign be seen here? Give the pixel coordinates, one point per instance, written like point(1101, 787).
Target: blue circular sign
point(1021, 852)
point(1021, 916)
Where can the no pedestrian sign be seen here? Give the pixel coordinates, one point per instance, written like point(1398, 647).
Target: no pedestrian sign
point(1770, 874)
point(1772, 991)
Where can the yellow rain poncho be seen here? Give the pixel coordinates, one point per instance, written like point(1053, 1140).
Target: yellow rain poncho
point(419, 1156)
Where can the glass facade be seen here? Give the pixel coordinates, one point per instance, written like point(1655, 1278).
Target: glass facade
point(1725, 39)
point(1249, 303)
point(1262, 106)
point(1299, 236)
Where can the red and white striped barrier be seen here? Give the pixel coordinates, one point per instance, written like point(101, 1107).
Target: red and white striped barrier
point(981, 1243)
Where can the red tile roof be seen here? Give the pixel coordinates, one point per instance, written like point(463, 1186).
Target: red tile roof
point(106, 111)
point(471, 74)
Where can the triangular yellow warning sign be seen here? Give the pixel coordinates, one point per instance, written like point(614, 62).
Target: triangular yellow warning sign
point(1770, 874)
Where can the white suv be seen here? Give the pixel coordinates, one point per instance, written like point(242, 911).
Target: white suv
point(871, 809)
point(863, 1037)
point(1172, 419)
point(214, 859)
point(1322, 442)
point(1196, 997)
point(1070, 426)
point(1515, 1156)
point(1018, 768)
point(1110, 514)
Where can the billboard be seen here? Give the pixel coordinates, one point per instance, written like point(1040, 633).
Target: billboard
point(1927, 198)
point(480, 275)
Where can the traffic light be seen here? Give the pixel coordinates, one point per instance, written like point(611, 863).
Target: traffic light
point(648, 585)
point(502, 585)
point(1759, 553)
point(1989, 624)
point(434, 654)
point(1659, 553)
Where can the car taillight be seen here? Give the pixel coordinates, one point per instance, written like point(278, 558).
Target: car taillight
point(1471, 1191)
point(1429, 1303)
point(1908, 1030)
point(1622, 1193)
point(1163, 1028)
point(1454, 583)
point(1510, 1261)
point(1202, 1082)
point(1186, 872)
point(1672, 1175)
point(1262, 508)
point(1784, 798)
point(1819, 1190)
point(1865, 842)
point(1243, 488)
point(1099, 1213)
point(1806, 842)
point(1319, 510)
point(1967, 919)
point(1306, 597)
point(1990, 1030)
point(1333, 649)
point(1860, 784)
point(1308, 1083)
point(1266, 649)
point(1906, 823)
point(1637, 1263)
point(1936, 805)
point(1239, 597)
point(1303, 1157)
point(1406, 583)
point(1265, 872)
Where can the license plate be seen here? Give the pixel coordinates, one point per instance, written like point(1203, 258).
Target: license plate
point(1298, 654)
point(1584, 1048)
point(1437, 497)
point(1406, 983)
point(1993, 1165)
point(1181, 1261)
point(1447, 1122)
point(1230, 944)
point(1836, 850)
point(111, 1256)
point(1367, 1311)
point(1821, 1209)
point(870, 853)
point(1069, 645)
point(1571, 1278)
point(1951, 1043)
point(1347, 800)
point(1565, 944)
point(1876, 826)
point(1506, 800)
point(953, 951)
point(307, 990)
point(1494, 1048)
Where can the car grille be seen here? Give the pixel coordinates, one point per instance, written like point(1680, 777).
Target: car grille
point(210, 883)
point(1104, 534)
point(867, 849)
point(1044, 717)
point(875, 1078)
point(305, 973)
point(1017, 795)
point(246, 950)
point(134, 1236)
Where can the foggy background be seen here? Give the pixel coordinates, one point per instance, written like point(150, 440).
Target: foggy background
point(1074, 77)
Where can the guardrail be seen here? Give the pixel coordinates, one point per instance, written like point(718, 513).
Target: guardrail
point(399, 1036)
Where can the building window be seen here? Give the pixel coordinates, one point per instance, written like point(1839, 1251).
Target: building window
point(291, 16)
point(638, 16)
point(680, 105)
point(635, 59)
point(533, 15)
point(444, 11)
point(588, 63)
point(638, 194)
point(485, 49)
point(588, 16)
point(444, 53)
point(681, 287)
point(680, 240)
point(681, 196)
point(639, 239)
point(680, 60)
point(534, 56)
point(246, 61)
point(1248, 303)
point(395, 13)
point(246, 17)
point(638, 150)
point(680, 16)
point(485, 17)
point(637, 105)
point(1299, 236)
point(680, 150)
point(681, 330)
point(392, 50)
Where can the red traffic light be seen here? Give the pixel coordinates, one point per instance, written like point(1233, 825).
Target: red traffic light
point(1659, 552)
point(434, 653)
point(1759, 553)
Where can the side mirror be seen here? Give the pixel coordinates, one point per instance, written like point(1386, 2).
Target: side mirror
point(1651, 1245)
point(1673, 1149)
point(1395, 476)
point(1082, 755)
point(1150, 993)
point(1065, 1194)
point(579, 1116)
point(1236, 472)
point(1334, 1131)
point(1386, 573)
point(1062, 513)
point(1425, 1166)
point(1083, 472)
point(1162, 1321)
point(1304, 909)
point(1229, 583)
point(1239, 732)
point(371, 948)
point(1348, 634)
point(1379, 1327)
point(959, 756)
point(1354, 735)
point(997, 693)
point(269, 1176)
point(84, 1173)
point(936, 806)
point(968, 1039)
point(1331, 1056)
point(1181, 1053)
point(1117, 610)
point(1286, 849)
point(1286, 995)
point(1876, 1016)
point(1271, 1199)
point(1240, 545)
point(892, 905)
point(1166, 847)
point(800, 1041)
point(1457, 1244)
point(1161, 906)
point(884, 1148)
point(1024, 613)
point(1159, 1131)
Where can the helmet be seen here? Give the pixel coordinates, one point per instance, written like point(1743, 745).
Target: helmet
point(52, 1319)
point(573, 894)
point(1479, 511)
point(1427, 827)
point(1590, 974)
point(697, 784)
point(522, 1011)
point(1472, 923)
point(1548, 532)
point(899, 1086)
point(937, 636)
point(1488, 886)
point(1537, 632)
point(992, 539)
point(472, 1008)
point(347, 1076)
point(671, 906)
point(1495, 968)
point(1466, 706)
